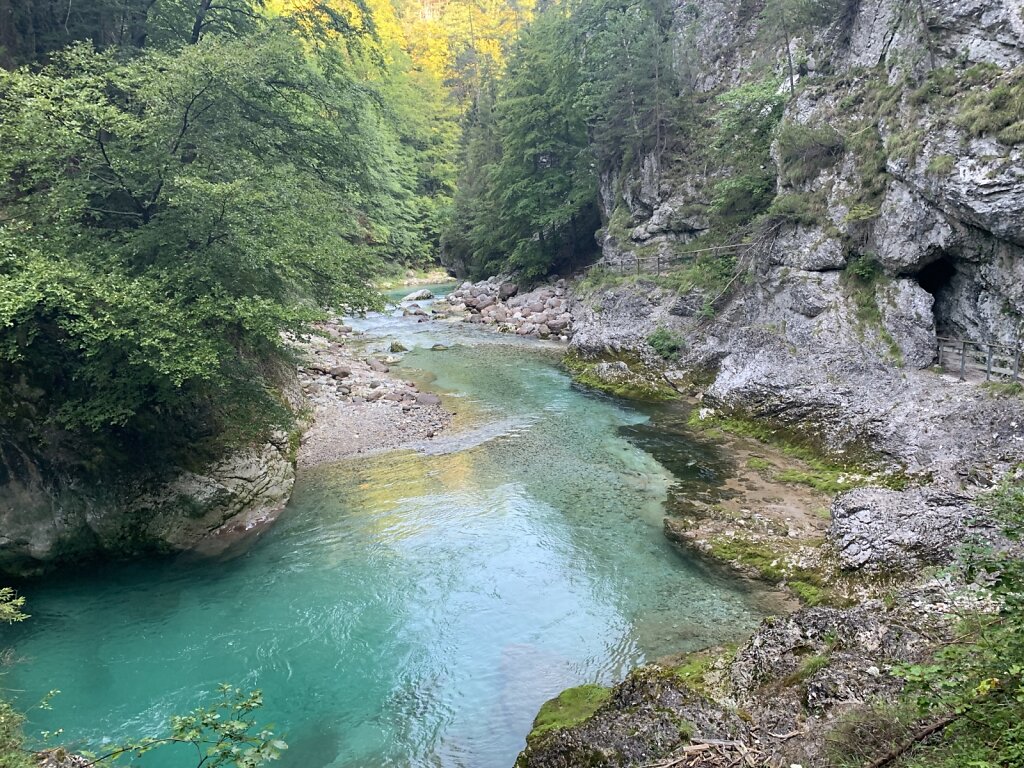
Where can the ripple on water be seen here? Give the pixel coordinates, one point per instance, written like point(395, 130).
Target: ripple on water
point(409, 609)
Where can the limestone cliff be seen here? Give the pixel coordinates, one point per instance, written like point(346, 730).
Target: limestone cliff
point(898, 217)
point(48, 518)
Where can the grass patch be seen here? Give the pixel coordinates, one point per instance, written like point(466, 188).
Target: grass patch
point(759, 464)
point(570, 708)
point(1004, 388)
point(940, 165)
point(809, 667)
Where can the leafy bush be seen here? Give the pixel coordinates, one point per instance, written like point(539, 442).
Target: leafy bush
point(668, 344)
point(744, 125)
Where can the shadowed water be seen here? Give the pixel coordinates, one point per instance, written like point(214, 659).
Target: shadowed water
point(411, 608)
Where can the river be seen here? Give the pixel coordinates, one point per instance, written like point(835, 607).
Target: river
point(412, 608)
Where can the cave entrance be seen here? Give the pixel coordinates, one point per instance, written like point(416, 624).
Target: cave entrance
point(937, 278)
point(937, 275)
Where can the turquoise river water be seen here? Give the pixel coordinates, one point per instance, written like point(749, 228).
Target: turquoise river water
point(413, 608)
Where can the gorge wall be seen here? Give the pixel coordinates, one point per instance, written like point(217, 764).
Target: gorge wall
point(896, 218)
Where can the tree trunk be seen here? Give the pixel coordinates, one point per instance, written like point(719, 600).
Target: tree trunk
point(197, 28)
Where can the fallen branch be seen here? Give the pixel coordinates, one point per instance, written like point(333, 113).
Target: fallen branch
point(917, 738)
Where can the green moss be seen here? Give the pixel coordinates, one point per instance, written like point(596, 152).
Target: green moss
point(859, 466)
point(827, 479)
point(642, 383)
point(570, 708)
point(810, 594)
point(770, 564)
point(692, 671)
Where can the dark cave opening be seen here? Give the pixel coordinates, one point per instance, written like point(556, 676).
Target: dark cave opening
point(936, 276)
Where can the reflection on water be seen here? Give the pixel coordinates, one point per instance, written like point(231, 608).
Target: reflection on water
point(413, 608)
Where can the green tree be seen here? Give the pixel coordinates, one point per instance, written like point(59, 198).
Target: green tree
point(628, 91)
point(165, 218)
point(537, 209)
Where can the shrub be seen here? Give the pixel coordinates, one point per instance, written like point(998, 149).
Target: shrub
point(806, 209)
point(806, 150)
point(668, 344)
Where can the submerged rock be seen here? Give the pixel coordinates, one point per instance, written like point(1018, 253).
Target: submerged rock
point(421, 295)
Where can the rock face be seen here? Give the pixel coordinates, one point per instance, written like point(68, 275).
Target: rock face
point(835, 321)
point(773, 704)
point(45, 521)
point(884, 531)
point(543, 312)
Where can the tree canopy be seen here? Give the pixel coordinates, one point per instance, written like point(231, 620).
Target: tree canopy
point(185, 180)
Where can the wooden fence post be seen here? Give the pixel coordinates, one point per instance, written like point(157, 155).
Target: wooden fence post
point(659, 265)
point(1016, 364)
point(988, 363)
point(963, 360)
point(940, 353)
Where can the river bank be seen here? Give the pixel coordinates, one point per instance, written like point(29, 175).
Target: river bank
point(358, 405)
point(905, 461)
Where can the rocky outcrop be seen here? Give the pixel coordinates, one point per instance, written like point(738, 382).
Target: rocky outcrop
point(884, 531)
point(46, 520)
point(542, 312)
point(778, 701)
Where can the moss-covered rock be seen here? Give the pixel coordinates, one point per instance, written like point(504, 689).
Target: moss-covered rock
point(621, 374)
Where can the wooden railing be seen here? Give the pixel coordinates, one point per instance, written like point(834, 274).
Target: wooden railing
point(992, 359)
point(653, 265)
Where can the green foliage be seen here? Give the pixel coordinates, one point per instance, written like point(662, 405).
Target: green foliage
point(862, 278)
point(805, 150)
point(976, 684)
point(668, 344)
point(11, 605)
point(744, 126)
point(12, 740)
point(166, 216)
point(802, 208)
point(223, 733)
point(570, 708)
